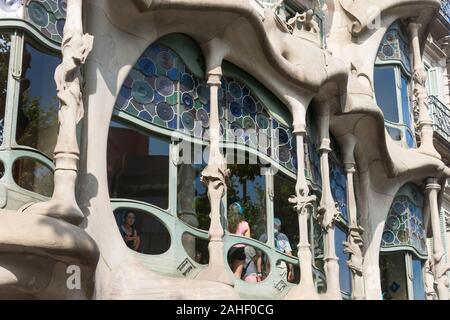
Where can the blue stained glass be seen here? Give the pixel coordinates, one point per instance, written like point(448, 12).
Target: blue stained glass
point(147, 67)
point(48, 16)
point(404, 225)
point(345, 278)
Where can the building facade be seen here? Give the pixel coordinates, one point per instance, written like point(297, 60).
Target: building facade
point(253, 149)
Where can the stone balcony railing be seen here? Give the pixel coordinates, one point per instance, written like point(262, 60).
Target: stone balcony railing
point(440, 114)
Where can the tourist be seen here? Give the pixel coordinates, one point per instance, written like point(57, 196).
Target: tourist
point(129, 233)
point(238, 226)
point(282, 245)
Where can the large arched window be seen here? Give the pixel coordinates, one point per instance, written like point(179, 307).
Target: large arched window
point(392, 83)
point(164, 108)
point(30, 38)
point(403, 247)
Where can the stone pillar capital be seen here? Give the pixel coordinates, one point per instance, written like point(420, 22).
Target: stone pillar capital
point(214, 78)
point(432, 184)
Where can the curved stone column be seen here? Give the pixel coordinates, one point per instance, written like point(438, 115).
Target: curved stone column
point(215, 178)
point(439, 265)
point(303, 204)
point(354, 244)
point(327, 213)
point(425, 124)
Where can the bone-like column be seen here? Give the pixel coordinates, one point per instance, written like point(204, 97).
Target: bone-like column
point(327, 212)
point(303, 204)
point(354, 244)
point(421, 95)
point(75, 48)
point(215, 177)
point(440, 267)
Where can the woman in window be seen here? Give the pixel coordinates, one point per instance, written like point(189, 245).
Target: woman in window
point(240, 227)
point(129, 233)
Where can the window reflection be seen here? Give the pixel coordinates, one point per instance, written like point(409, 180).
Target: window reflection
point(196, 248)
point(34, 176)
point(37, 120)
point(142, 232)
point(386, 93)
point(248, 189)
point(5, 48)
point(138, 165)
point(345, 278)
point(284, 188)
point(393, 276)
point(418, 279)
point(193, 204)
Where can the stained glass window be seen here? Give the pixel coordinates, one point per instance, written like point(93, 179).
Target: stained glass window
point(161, 90)
point(312, 154)
point(404, 227)
point(395, 46)
point(150, 90)
point(48, 16)
point(338, 181)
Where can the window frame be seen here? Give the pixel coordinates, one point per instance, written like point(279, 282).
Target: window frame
point(20, 31)
point(400, 72)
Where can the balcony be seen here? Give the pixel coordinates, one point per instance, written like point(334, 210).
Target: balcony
point(445, 10)
point(440, 113)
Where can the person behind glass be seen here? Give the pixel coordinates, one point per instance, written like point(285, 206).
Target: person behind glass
point(282, 245)
point(129, 233)
point(238, 226)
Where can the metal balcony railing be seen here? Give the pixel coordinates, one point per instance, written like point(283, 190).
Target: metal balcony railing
point(445, 10)
point(440, 113)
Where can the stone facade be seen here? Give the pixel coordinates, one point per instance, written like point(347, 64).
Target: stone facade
point(317, 153)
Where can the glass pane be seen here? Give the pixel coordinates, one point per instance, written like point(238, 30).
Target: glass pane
point(37, 119)
point(405, 102)
point(5, 48)
point(142, 232)
point(284, 188)
point(138, 165)
point(418, 284)
point(345, 278)
point(193, 204)
point(196, 248)
point(393, 276)
point(34, 176)
point(247, 190)
point(386, 93)
point(395, 133)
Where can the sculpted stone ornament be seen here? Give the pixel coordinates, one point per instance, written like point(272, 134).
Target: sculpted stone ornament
point(49, 242)
point(303, 203)
point(304, 22)
point(215, 178)
point(440, 267)
point(430, 293)
point(353, 247)
point(425, 124)
point(277, 6)
point(76, 47)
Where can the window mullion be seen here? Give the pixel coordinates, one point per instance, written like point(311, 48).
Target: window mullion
point(13, 89)
point(270, 193)
point(409, 275)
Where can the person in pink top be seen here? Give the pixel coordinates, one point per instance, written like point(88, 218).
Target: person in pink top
point(238, 226)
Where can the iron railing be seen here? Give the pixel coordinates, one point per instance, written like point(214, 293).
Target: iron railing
point(440, 113)
point(445, 10)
